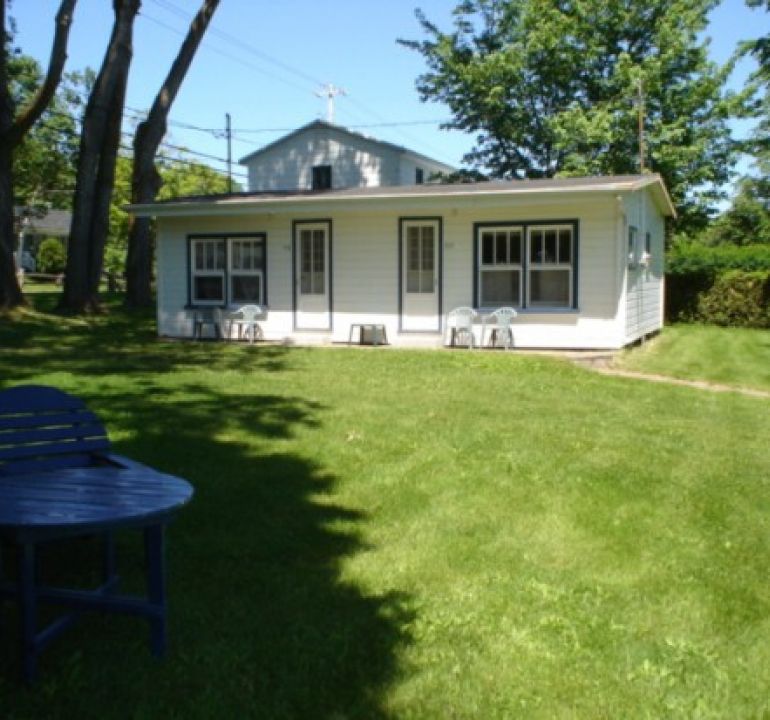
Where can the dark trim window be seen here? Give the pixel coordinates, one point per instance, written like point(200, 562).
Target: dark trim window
point(526, 265)
point(322, 177)
point(550, 266)
point(419, 176)
point(500, 267)
point(633, 235)
point(227, 269)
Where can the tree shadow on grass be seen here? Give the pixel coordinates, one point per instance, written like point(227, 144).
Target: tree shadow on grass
point(262, 623)
point(122, 342)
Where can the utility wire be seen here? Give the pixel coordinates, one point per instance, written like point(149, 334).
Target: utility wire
point(233, 40)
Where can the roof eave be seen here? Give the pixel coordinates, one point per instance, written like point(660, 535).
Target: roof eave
point(274, 204)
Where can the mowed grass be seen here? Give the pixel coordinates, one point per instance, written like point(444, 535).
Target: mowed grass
point(729, 356)
point(415, 534)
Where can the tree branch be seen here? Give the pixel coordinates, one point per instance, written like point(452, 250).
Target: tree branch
point(30, 114)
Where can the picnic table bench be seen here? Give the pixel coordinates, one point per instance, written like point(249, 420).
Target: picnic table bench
point(58, 479)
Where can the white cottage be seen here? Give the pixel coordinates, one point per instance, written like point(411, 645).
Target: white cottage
point(581, 259)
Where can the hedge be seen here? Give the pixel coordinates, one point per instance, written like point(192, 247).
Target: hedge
point(720, 285)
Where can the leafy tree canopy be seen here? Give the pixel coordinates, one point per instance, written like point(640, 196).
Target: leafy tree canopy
point(43, 164)
point(552, 87)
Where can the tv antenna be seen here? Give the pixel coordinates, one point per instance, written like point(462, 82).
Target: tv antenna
point(330, 91)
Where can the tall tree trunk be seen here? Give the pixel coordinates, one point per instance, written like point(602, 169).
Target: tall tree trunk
point(145, 179)
point(12, 132)
point(99, 142)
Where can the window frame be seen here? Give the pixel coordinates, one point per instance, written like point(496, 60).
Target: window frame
point(426, 283)
point(547, 266)
point(321, 177)
point(313, 271)
point(527, 266)
point(227, 273)
point(243, 272)
point(501, 266)
point(633, 245)
point(195, 273)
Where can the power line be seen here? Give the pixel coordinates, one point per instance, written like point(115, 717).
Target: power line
point(232, 39)
point(223, 53)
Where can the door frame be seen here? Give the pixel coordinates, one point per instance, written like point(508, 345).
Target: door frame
point(402, 222)
point(295, 227)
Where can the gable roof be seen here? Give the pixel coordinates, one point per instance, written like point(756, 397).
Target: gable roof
point(323, 125)
point(273, 200)
point(50, 222)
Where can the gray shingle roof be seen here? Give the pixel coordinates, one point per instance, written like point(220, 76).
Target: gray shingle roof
point(611, 183)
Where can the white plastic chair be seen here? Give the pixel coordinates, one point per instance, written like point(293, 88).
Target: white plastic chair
point(459, 322)
point(246, 319)
point(501, 325)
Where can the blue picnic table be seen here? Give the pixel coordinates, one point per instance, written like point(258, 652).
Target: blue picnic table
point(59, 480)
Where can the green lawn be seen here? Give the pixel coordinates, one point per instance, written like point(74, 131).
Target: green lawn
point(415, 534)
point(730, 356)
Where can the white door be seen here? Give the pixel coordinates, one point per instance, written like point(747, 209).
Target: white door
point(312, 276)
point(420, 276)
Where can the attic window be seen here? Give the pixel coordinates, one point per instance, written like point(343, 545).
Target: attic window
point(419, 176)
point(322, 177)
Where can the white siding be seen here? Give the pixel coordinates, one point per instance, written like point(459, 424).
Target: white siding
point(643, 285)
point(365, 260)
point(408, 169)
point(355, 162)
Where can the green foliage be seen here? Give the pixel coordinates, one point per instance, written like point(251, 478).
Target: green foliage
point(689, 257)
point(182, 179)
point(51, 256)
point(43, 164)
point(737, 299)
point(694, 287)
point(747, 221)
point(552, 88)
point(179, 179)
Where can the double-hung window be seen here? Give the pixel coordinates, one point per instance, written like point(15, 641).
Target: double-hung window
point(500, 266)
point(246, 270)
point(207, 271)
point(526, 265)
point(550, 266)
point(227, 270)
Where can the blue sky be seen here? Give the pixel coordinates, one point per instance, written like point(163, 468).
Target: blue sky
point(263, 62)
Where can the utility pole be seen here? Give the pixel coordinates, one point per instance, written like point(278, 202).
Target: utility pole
point(229, 137)
point(330, 91)
point(640, 108)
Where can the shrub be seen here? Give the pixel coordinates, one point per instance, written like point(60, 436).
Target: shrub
point(51, 257)
point(737, 299)
point(693, 271)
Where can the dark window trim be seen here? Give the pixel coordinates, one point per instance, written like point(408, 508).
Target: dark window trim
point(225, 237)
point(439, 220)
point(525, 265)
point(321, 177)
point(295, 224)
point(419, 176)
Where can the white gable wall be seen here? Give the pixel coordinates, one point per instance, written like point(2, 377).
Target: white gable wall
point(365, 260)
point(355, 162)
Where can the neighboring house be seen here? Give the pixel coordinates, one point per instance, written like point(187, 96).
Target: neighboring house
point(322, 156)
point(581, 259)
point(34, 227)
